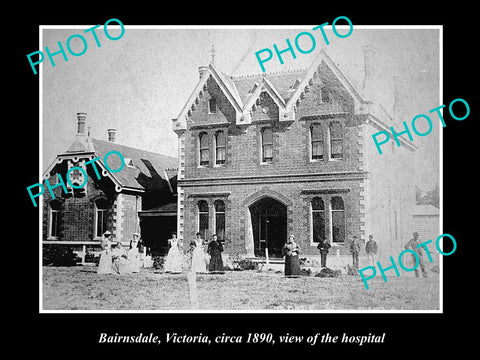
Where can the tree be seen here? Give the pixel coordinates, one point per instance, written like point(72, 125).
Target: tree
point(431, 197)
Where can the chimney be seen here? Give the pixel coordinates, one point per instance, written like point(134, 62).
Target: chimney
point(111, 134)
point(81, 119)
point(202, 70)
point(398, 96)
point(369, 54)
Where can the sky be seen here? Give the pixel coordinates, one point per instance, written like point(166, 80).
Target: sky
point(140, 82)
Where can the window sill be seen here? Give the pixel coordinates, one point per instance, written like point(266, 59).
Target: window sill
point(53, 238)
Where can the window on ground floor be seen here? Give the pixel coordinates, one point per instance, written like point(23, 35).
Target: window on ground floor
point(338, 219)
point(101, 206)
point(54, 223)
point(203, 218)
point(220, 219)
point(318, 219)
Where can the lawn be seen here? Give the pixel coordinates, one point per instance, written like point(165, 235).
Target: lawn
point(81, 288)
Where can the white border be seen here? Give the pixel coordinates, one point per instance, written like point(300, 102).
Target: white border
point(40, 174)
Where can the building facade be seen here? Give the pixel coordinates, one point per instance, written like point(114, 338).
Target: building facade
point(265, 156)
point(124, 202)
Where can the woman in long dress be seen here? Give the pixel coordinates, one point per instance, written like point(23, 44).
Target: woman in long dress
point(105, 263)
point(292, 263)
point(133, 254)
point(215, 249)
point(173, 262)
point(198, 255)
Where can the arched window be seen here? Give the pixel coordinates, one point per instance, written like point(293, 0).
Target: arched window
point(204, 150)
point(267, 145)
point(54, 217)
point(220, 219)
point(318, 219)
point(316, 141)
point(336, 140)
point(203, 218)
point(338, 219)
point(101, 206)
point(220, 147)
point(212, 106)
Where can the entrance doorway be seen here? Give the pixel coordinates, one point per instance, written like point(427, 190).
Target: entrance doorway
point(269, 225)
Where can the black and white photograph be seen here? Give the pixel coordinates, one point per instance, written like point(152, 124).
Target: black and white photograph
point(275, 189)
point(201, 184)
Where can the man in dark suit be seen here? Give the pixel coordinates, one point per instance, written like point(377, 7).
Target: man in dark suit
point(355, 251)
point(323, 247)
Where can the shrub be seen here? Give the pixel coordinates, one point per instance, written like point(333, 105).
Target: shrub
point(305, 272)
point(59, 255)
point(158, 261)
point(236, 263)
point(327, 272)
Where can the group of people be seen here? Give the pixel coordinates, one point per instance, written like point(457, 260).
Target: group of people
point(197, 257)
point(371, 248)
point(115, 259)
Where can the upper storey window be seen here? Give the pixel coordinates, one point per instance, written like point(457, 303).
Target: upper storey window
point(220, 148)
point(336, 140)
point(267, 145)
point(204, 149)
point(316, 140)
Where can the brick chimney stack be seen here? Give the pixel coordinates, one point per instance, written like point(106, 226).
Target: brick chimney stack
point(111, 134)
point(81, 119)
point(369, 53)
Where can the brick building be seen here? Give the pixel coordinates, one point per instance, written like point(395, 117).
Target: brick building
point(124, 202)
point(264, 156)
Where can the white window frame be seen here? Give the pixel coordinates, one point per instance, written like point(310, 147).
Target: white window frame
point(50, 221)
point(262, 162)
point(95, 236)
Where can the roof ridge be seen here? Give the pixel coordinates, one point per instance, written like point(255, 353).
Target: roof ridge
point(248, 76)
point(131, 147)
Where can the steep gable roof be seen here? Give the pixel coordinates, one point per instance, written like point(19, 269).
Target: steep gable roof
point(287, 88)
point(148, 170)
point(143, 170)
point(281, 81)
point(225, 85)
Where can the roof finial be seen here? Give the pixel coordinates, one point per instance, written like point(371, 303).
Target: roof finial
point(212, 52)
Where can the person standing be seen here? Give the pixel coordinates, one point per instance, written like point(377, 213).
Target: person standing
point(371, 249)
point(133, 254)
point(290, 251)
point(355, 251)
point(198, 255)
point(173, 262)
point(412, 244)
point(323, 246)
point(105, 263)
point(215, 249)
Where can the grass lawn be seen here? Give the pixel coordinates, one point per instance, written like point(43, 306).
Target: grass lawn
point(81, 288)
